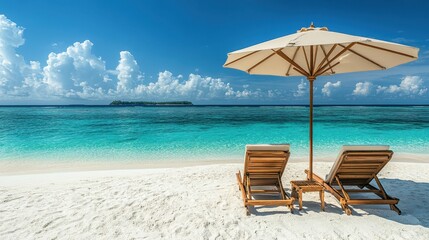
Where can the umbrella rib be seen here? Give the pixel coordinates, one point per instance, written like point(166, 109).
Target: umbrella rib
point(306, 59)
point(285, 57)
point(387, 50)
point(303, 73)
point(238, 59)
point(324, 53)
point(360, 55)
point(257, 64)
point(326, 58)
point(336, 56)
point(330, 68)
point(293, 59)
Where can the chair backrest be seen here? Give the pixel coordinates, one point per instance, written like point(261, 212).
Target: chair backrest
point(266, 158)
point(357, 165)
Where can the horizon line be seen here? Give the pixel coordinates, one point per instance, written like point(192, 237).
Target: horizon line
point(216, 105)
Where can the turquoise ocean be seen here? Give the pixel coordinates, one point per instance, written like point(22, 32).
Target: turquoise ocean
point(199, 133)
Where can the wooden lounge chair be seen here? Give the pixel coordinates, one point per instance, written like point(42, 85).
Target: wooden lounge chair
point(263, 170)
point(352, 173)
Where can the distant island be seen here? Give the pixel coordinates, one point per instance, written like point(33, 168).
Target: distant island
point(143, 103)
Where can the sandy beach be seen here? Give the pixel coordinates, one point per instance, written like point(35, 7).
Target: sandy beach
point(199, 202)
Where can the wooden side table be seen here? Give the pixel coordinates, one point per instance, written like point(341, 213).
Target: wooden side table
point(298, 187)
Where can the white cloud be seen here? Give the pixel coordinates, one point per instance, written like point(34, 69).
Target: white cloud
point(302, 89)
point(195, 86)
point(409, 86)
point(273, 93)
point(362, 89)
point(16, 77)
point(78, 73)
point(328, 88)
point(129, 75)
point(10, 34)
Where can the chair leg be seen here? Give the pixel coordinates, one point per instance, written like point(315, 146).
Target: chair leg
point(294, 194)
point(395, 208)
point(346, 209)
point(383, 192)
point(238, 175)
point(241, 188)
point(300, 199)
point(322, 200)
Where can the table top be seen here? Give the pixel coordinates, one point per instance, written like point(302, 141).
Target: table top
point(308, 185)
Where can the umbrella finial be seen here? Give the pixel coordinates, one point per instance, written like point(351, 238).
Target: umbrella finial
point(312, 27)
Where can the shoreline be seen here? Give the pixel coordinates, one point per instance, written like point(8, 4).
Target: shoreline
point(8, 168)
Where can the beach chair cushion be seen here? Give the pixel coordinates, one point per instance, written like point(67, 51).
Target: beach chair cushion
point(268, 147)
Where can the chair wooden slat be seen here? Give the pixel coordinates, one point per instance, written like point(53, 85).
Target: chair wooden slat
point(357, 170)
point(266, 164)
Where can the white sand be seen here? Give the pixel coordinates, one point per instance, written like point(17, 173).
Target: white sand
point(200, 202)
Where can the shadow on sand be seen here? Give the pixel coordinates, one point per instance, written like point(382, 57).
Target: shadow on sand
point(413, 196)
point(413, 202)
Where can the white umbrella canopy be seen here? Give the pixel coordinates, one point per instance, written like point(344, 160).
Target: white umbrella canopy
point(317, 51)
point(313, 52)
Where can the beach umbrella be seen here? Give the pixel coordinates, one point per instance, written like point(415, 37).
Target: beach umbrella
point(314, 52)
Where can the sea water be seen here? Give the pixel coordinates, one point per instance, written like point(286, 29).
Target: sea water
point(198, 133)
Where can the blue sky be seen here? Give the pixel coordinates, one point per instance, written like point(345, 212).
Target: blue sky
point(93, 52)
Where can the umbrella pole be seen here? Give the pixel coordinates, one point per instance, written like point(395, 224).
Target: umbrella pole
point(311, 80)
